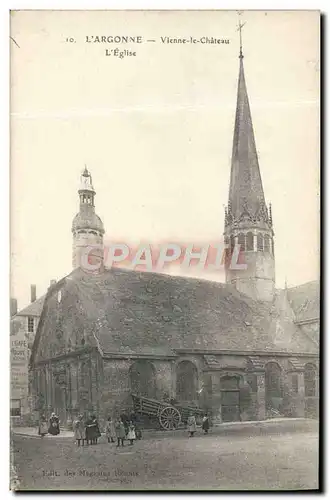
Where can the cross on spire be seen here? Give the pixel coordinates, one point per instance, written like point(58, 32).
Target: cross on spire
point(240, 27)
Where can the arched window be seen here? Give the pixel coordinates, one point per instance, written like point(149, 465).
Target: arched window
point(186, 381)
point(260, 242)
point(241, 241)
point(273, 382)
point(267, 243)
point(249, 242)
point(142, 379)
point(310, 380)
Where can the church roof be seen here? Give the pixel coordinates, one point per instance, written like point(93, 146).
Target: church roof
point(246, 195)
point(305, 301)
point(131, 312)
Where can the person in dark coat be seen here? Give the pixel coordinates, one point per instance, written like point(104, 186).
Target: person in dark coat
point(54, 425)
point(89, 430)
point(206, 423)
point(97, 432)
point(125, 421)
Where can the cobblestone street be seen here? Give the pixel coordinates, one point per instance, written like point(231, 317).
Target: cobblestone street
point(287, 461)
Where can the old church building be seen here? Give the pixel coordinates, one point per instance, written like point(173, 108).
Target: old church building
point(240, 350)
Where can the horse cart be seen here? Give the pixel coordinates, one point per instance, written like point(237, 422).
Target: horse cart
point(168, 415)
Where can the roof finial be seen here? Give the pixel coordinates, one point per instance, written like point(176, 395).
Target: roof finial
point(85, 172)
point(240, 27)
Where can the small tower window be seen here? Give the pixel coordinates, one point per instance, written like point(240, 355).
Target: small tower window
point(30, 324)
point(267, 243)
point(249, 242)
point(260, 242)
point(232, 243)
point(241, 241)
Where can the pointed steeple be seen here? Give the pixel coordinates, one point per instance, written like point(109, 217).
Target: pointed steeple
point(248, 222)
point(246, 193)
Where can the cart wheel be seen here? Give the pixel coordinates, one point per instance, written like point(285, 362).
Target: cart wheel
point(169, 418)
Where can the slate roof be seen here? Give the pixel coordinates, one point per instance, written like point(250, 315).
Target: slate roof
point(124, 311)
point(305, 301)
point(33, 309)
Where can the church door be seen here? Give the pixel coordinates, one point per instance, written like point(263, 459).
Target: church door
point(230, 402)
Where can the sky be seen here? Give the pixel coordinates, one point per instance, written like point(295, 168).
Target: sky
point(156, 131)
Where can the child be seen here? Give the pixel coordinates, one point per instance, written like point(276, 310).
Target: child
point(131, 433)
point(110, 430)
point(43, 427)
point(120, 432)
point(191, 422)
point(79, 430)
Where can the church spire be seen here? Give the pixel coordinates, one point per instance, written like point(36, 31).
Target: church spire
point(248, 222)
point(246, 194)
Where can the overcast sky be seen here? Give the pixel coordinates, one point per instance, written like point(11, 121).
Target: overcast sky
point(156, 132)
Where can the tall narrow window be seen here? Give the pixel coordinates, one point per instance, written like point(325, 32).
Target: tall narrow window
point(241, 241)
point(260, 242)
point(267, 243)
point(232, 243)
point(30, 324)
point(249, 242)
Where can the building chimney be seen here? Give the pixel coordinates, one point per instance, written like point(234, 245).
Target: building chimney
point(33, 293)
point(52, 283)
point(13, 307)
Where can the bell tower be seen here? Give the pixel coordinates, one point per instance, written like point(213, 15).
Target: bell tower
point(87, 227)
point(248, 221)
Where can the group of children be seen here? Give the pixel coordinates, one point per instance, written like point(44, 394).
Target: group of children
point(114, 430)
point(118, 430)
point(88, 431)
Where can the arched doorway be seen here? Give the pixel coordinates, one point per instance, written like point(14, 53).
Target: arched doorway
point(186, 382)
point(273, 386)
point(142, 379)
point(230, 398)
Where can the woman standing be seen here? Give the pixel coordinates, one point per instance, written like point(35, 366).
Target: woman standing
point(110, 430)
point(43, 428)
point(191, 422)
point(54, 425)
point(89, 431)
point(131, 433)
